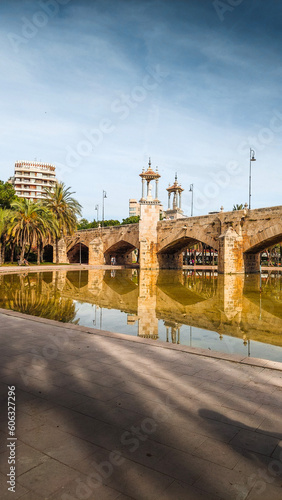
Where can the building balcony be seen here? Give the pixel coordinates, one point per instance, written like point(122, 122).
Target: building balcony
point(34, 184)
point(43, 176)
point(34, 168)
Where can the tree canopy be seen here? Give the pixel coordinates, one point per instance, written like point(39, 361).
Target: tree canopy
point(30, 223)
point(7, 194)
point(134, 219)
point(111, 222)
point(84, 224)
point(64, 207)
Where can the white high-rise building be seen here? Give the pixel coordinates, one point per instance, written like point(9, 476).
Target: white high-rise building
point(31, 177)
point(134, 208)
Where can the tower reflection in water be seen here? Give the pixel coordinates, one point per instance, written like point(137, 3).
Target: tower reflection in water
point(225, 313)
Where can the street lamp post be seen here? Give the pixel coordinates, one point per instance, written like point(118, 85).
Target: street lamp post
point(103, 213)
point(252, 158)
point(192, 191)
point(97, 210)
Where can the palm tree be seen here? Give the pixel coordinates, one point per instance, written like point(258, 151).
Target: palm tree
point(5, 216)
point(49, 229)
point(12, 246)
point(238, 207)
point(29, 223)
point(65, 209)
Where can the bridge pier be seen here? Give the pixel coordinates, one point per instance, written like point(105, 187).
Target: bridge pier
point(147, 305)
point(95, 280)
point(59, 280)
point(230, 253)
point(96, 252)
point(231, 256)
point(231, 296)
point(148, 235)
point(62, 252)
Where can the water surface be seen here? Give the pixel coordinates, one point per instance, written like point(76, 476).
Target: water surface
point(234, 314)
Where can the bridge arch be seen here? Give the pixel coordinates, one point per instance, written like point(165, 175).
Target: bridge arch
point(256, 244)
point(78, 253)
point(121, 251)
point(264, 239)
point(170, 255)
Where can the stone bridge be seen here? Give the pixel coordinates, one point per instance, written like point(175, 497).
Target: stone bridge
point(238, 237)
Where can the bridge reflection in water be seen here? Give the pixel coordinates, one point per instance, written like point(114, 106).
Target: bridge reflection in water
point(198, 309)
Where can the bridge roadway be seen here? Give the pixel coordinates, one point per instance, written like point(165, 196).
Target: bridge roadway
point(238, 237)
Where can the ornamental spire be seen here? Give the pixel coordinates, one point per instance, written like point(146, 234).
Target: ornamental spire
point(148, 177)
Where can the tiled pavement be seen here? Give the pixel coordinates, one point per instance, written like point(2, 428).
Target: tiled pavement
point(108, 417)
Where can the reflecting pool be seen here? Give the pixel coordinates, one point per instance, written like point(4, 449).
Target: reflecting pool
point(234, 314)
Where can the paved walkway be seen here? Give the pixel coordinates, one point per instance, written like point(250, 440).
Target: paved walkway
point(111, 417)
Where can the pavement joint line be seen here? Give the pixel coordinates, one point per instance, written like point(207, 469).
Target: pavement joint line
point(264, 364)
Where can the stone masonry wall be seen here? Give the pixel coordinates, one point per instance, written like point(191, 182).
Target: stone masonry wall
point(230, 255)
point(62, 250)
point(148, 236)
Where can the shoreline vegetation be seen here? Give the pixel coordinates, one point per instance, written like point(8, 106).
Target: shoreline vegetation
point(28, 226)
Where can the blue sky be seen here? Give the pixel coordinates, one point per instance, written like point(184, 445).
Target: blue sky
point(96, 87)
